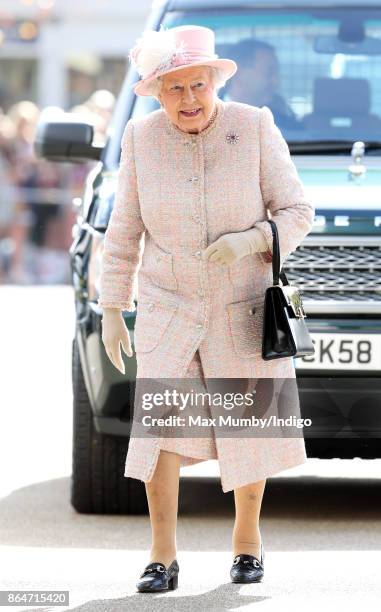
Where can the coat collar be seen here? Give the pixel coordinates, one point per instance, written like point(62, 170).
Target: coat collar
point(175, 131)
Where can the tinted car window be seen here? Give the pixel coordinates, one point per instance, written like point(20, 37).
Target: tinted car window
point(318, 70)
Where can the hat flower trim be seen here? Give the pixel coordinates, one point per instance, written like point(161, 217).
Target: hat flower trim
point(156, 51)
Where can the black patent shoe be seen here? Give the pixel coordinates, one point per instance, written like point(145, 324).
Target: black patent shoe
point(156, 577)
point(247, 568)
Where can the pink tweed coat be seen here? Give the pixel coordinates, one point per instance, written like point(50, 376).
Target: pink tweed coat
point(177, 193)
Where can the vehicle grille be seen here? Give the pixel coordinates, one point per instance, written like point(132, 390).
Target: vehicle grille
point(337, 272)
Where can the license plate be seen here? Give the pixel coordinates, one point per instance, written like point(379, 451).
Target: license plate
point(343, 352)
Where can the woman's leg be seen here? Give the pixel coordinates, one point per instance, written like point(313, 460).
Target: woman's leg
point(246, 534)
point(163, 491)
point(162, 496)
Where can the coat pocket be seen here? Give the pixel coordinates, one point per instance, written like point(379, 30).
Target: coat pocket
point(246, 326)
point(159, 267)
point(152, 320)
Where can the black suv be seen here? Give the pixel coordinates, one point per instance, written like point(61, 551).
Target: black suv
point(317, 68)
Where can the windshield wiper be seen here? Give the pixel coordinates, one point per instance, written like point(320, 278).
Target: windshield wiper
point(329, 146)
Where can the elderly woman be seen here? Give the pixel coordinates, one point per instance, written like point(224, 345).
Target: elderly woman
point(197, 179)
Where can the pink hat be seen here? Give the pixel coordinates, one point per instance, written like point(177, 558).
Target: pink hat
point(159, 52)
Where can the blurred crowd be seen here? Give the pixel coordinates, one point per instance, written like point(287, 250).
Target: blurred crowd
point(37, 213)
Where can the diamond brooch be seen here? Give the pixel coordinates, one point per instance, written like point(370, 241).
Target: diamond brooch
point(232, 137)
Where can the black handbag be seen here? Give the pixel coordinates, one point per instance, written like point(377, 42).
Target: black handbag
point(285, 332)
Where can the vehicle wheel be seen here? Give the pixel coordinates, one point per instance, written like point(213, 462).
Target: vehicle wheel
point(98, 484)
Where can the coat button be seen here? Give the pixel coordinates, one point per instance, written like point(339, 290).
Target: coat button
point(197, 254)
point(199, 325)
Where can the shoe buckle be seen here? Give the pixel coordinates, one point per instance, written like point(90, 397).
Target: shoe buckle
point(149, 570)
point(246, 561)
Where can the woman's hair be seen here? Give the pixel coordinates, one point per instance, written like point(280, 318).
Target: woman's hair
point(217, 75)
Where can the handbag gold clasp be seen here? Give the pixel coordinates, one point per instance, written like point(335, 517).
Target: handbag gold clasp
point(294, 299)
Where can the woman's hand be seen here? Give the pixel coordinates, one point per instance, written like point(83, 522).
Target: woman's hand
point(232, 247)
point(114, 333)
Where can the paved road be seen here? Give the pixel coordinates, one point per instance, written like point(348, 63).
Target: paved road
point(320, 523)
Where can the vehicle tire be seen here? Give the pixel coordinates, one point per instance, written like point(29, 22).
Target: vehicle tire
point(98, 484)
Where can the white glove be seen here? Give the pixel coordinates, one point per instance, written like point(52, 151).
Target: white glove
point(232, 247)
point(114, 333)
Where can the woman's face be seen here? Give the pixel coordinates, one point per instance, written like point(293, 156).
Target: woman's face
point(188, 89)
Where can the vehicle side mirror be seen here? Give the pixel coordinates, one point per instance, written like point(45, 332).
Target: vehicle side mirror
point(66, 139)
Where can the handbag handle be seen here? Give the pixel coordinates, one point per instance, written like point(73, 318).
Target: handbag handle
point(276, 257)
